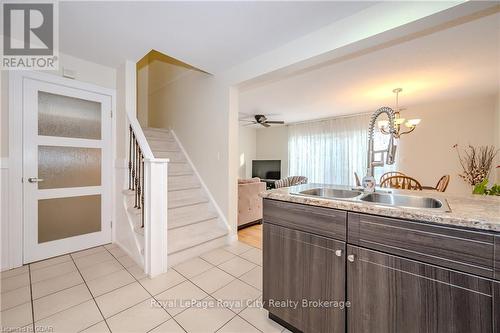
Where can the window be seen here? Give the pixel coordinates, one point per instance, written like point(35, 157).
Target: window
point(330, 151)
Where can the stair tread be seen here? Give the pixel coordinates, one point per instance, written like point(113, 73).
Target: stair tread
point(181, 216)
point(156, 129)
point(173, 156)
point(185, 198)
point(195, 234)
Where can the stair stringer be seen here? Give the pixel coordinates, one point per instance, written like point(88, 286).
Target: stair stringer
point(211, 199)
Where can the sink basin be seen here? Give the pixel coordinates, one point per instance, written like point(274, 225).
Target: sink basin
point(331, 193)
point(405, 201)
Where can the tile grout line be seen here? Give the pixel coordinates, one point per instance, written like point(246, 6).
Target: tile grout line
point(237, 278)
point(152, 296)
point(72, 259)
point(65, 273)
point(79, 283)
point(90, 292)
point(32, 304)
point(210, 294)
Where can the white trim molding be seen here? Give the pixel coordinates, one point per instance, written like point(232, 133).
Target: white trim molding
point(4, 162)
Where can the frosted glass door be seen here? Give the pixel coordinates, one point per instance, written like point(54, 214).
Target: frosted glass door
point(66, 169)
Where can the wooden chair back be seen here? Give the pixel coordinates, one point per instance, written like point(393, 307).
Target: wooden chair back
point(442, 183)
point(402, 183)
point(358, 182)
point(390, 174)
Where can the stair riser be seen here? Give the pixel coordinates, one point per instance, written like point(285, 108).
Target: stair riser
point(182, 182)
point(181, 256)
point(195, 234)
point(163, 146)
point(180, 217)
point(179, 169)
point(185, 198)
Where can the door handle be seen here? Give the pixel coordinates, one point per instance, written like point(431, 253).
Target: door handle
point(35, 180)
point(338, 253)
point(350, 257)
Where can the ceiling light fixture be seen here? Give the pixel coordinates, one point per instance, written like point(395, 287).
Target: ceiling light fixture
point(411, 124)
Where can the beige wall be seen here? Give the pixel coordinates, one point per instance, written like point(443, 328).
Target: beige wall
point(272, 144)
point(247, 150)
point(196, 106)
point(427, 154)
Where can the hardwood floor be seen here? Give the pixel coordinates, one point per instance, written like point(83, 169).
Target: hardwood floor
point(251, 235)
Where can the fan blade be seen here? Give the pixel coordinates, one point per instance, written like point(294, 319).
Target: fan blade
point(265, 124)
point(247, 121)
point(250, 124)
point(275, 122)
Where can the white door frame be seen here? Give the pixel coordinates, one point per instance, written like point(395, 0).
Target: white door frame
point(15, 223)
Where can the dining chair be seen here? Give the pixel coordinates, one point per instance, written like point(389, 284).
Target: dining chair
point(441, 185)
point(401, 182)
point(390, 174)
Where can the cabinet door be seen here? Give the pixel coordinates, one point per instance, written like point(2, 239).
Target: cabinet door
point(392, 294)
point(301, 267)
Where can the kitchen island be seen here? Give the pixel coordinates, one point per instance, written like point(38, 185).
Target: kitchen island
point(344, 265)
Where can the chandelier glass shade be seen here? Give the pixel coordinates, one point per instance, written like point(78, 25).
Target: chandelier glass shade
point(410, 124)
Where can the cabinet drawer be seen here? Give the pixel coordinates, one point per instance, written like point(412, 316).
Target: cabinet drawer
point(317, 220)
point(464, 250)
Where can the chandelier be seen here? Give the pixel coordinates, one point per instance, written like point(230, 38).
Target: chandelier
point(410, 124)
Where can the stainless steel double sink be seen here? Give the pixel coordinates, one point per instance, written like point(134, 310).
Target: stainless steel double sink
point(378, 198)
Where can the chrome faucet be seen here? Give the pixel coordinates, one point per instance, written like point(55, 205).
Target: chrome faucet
point(390, 151)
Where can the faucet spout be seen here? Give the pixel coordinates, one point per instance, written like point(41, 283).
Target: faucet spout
point(391, 148)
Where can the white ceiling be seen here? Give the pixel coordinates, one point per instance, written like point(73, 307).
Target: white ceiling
point(212, 36)
point(460, 61)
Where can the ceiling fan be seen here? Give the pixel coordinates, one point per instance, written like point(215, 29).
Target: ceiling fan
point(261, 120)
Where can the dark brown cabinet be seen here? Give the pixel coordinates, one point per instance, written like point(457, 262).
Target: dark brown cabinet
point(396, 275)
point(393, 294)
point(304, 278)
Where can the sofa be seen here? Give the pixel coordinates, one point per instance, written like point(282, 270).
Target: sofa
point(249, 202)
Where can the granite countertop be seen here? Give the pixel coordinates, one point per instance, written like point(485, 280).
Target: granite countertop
point(470, 211)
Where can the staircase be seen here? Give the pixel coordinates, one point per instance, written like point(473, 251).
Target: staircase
point(194, 225)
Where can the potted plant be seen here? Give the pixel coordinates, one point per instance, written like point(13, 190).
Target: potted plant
point(476, 165)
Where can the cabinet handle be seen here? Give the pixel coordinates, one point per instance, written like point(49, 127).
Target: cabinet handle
point(350, 257)
point(338, 253)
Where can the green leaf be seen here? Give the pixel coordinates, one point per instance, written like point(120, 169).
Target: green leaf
point(481, 187)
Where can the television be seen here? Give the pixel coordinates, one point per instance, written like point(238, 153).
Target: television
point(266, 169)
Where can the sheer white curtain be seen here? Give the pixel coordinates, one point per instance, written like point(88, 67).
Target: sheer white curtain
point(330, 151)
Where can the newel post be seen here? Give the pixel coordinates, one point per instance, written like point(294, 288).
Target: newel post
point(155, 218)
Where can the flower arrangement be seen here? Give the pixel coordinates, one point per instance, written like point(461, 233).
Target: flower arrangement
point(476, 162)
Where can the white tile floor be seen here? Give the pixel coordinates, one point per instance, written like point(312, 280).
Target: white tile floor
point(103, 290)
